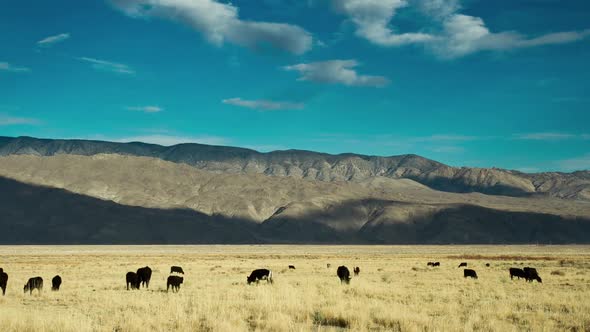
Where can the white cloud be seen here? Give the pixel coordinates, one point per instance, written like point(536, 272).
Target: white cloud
point(464, 34)
point(460, 35)
point(145, 109)
point(263, 105)
point(546, 136)
point(372, 18)
point(168, 140)
point(219, 22)
point(438, 8)
point(108, 66)
point(336, 71)
point(51, 40)
point(6, 120)
point(575, 164)
point(5, 66)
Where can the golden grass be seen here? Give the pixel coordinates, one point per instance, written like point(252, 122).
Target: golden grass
point(395, 291)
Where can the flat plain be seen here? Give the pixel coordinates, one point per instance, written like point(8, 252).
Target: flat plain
point(395, 291)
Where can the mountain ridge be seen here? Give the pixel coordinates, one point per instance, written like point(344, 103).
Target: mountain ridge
point(323, 166)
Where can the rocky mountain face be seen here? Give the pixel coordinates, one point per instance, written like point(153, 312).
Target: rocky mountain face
point(324, 167)
point(115, 198)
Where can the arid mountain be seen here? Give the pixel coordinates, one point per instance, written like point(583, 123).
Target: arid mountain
point(324, 167)
point(113, 198)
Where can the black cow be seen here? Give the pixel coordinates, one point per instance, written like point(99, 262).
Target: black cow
point(34, 283)
point(436, 264)
point(260, 274)
point(176, 269)
point(55, 283)
point(430, 264)
point(291, 267)
point(462, 265)
point(356, 271)
point(516, 272)
point(487, 264)
point(531, 274)
point(144, 275)
point(132, 280)
point(343, 274)
point(469, 273)
point(328, 265)
point(3, 280)
point(174, 282)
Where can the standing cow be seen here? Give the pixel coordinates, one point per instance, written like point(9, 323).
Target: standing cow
point(356, 271)
point(463, 264)
point(3, 280)
point(531, 274)
point(144, 275)
point(344, 274)
point(174, 282)
point(55, 283)
point(176, 269)
point(260, 274)
point(469, 273)
point(34, 283)
point(516, 272)
point(132, 280)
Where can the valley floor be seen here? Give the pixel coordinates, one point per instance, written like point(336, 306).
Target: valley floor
point(395, 290)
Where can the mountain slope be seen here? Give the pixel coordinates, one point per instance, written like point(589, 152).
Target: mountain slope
point(321, 166)
point(263, 208)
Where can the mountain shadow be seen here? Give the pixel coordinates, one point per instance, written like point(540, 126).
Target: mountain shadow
point(42, 215)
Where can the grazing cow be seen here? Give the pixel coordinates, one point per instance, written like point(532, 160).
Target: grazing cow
point(463, 264)
point(175, 282)
point(3, 280)
point(343, 274)
point(55, 283)
point(144, 275)
point(356, 271)
point(34, 283)
point(132, 280)
point(516, 272)
point(436, 264)
point(260, 274)
point(291, 267)
point(469, 273)
point(328, 265)
point(176, 269)
point(531, 274)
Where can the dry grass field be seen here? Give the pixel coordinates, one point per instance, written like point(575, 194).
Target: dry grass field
point(395, 290)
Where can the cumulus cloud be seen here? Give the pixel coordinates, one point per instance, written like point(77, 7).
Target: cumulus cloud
point(51, 40)
point(6, 120)
point(168, 140)
point(336, 71)
point(219, 22)
point(263, 105)
point(145, 109)
point(108, 66)
point(5, 66)
point(459, 35)
point(372, 18)
point(464, 34)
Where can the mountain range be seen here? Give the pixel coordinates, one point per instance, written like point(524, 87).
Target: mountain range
point(81, 191)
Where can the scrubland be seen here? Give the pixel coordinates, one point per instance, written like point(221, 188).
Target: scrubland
point(395, 290)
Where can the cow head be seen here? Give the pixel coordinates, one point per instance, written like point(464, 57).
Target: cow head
point(26, 288)
point(539, 279)
point(250, 279)
point(181, 280)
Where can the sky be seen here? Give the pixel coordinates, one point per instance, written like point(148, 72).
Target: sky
point(503, 83)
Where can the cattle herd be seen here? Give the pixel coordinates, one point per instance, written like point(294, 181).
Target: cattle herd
point(143, 275)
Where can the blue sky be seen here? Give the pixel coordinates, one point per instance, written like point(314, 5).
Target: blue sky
point(477, 83)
